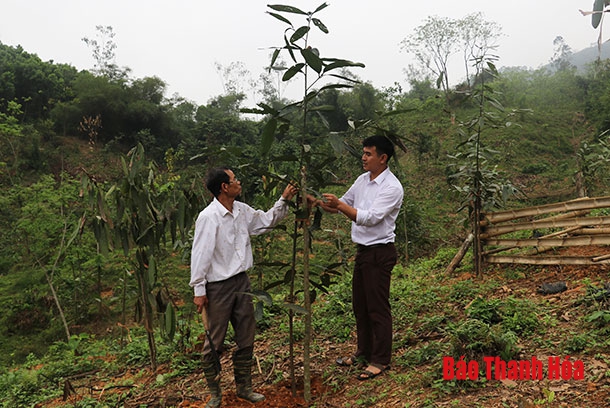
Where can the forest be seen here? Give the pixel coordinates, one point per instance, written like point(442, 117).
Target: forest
point(102, 176)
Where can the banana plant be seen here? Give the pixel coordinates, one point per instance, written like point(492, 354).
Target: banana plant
point(135, 215)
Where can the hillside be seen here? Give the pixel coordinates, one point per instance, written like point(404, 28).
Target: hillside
point(548, 326)
point(73, 318)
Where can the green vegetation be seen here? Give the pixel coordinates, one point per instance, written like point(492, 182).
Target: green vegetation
point(101, 176)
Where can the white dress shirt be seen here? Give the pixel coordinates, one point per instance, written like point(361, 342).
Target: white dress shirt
point(378, 203)
point(221, 245)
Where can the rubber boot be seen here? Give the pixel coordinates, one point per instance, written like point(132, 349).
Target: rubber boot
point(212, 376)
point(242, 368)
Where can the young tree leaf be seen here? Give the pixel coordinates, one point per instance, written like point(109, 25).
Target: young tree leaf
point(292, 71)
point(296, 308)
point(355, 81)
point(170, 321)
point(337, 63)
point(298, 34)
point(320, 25)
point(290, 48)
point(312, 59)
point(336, 142)
point(281, 18)
point(598, 10)
point(325, 108)
point(276, 54)
point(317, 220)
point(263, 296)
point(286, 9)
point(268, 135)
point(152, 272)
point(320, 7)
point(335, 86)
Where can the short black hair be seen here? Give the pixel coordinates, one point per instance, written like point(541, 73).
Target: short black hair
point(382, 144)
point(215, 178)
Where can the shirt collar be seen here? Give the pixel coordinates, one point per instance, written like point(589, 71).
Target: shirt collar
point(379, 179)
point(219, 207)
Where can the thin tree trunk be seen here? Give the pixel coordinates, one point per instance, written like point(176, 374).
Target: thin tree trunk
point(307, 300)
point(59, 309)
point(293, 385)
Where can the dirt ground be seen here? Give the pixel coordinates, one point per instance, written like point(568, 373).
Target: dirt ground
point(334, 387)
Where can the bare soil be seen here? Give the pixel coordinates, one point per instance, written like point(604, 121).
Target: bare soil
point(333, 386)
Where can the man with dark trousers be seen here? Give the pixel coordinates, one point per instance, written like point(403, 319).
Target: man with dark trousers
point(372, 203)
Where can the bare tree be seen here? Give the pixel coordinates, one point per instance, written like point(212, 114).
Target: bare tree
point(561, 56)
point(432, 44)
point(103, 52)
point(477, 38)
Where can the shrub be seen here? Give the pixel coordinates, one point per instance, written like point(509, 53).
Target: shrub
point(474, 339)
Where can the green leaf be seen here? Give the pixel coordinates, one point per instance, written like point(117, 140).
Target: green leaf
point(170, 321)
point(336, 142)
point(268, 110)
point(258, 311)
point(290, 49)
point(299, 33)
point(296, 308)
point(242, 110)
point(324, 108)
point(312, 59)
point(320, 25)
point(292, 71)
point(281, 18)
point(320, 7)
point(355, 81)
point(268, 135)
point(598, 9)
point(339, 63)
point(335, 86)
point(276, 54)
point(397, 112)
point(317, 220)
point(286, 9)
point(263, 296)
point(152, 272)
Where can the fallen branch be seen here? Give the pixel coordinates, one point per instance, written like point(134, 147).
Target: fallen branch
point(460, 255)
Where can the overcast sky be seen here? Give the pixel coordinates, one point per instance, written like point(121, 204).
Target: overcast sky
point(180, 41)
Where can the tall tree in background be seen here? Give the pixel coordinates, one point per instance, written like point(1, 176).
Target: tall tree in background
point(561, 56)
point(435, 41)
point(477, 37)
point(103, 52)
point(432, 44)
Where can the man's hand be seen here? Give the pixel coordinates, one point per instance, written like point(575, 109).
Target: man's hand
point(333, 205)
point(312, 202)
point(289, 192)
point(201, 302)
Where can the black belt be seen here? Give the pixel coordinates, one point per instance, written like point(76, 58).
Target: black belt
point(364, 247)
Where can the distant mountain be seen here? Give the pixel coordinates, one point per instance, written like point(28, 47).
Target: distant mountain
point(584, 57)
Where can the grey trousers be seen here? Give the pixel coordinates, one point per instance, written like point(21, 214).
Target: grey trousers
point(227, 302)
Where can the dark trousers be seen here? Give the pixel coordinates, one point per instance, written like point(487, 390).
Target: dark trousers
point(227, 302)
point(371, 302)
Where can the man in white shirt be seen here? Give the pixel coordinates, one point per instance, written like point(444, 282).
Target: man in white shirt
point(372, 203)
point(221, 255)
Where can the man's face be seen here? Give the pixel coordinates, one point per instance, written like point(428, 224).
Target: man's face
point(371, 160)
point(233, 186)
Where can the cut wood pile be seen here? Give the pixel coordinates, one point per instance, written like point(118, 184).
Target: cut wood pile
point(535, 235)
